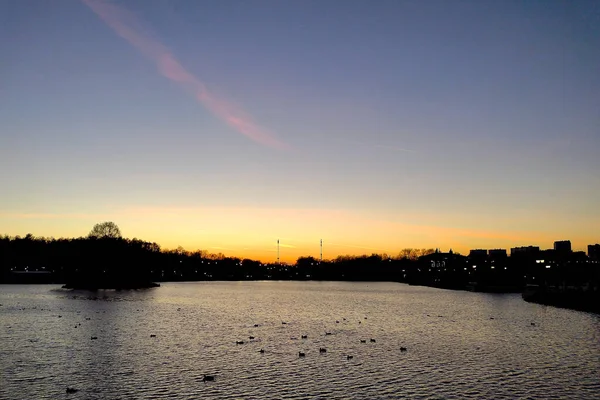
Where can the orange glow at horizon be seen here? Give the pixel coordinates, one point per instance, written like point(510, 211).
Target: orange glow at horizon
point(248, 232)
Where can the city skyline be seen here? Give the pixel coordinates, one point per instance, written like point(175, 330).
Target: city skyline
point(372, 126)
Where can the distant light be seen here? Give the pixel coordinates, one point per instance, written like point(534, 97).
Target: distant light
point(474, 266)
point(547, 266)
point(493, 267)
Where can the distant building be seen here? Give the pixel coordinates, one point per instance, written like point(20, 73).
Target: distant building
point(548, 254)
point(562, 246)
point(478, 253)
point(594, 252)
point(496, 254)
point(579, 256)
point(525, 251)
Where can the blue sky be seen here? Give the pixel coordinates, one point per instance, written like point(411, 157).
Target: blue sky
point(470, 115)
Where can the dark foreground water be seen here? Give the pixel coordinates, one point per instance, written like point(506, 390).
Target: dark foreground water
point(454, 347)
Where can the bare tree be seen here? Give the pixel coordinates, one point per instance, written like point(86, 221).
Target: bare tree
point(104, 230)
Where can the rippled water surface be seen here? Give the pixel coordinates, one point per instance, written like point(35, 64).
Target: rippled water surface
point(458, 344)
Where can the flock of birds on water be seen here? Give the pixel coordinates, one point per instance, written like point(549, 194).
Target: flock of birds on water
point(301, 354)
point(321, 349)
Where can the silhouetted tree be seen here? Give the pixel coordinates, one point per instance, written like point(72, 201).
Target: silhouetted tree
point(105, 230)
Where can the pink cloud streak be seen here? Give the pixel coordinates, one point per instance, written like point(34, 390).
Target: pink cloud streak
point(126, 25)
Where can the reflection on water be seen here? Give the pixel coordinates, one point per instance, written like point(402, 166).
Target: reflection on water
point(458, 344)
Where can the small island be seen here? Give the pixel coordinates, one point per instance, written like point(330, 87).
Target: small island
point(84, 285)
point(113, 264)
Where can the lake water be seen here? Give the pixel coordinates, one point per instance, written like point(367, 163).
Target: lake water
point(455, 350)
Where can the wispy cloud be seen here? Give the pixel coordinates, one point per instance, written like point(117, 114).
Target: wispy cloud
point(126, 25)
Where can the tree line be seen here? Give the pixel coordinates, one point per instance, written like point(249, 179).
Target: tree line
point(104, 258)
point(104, 255)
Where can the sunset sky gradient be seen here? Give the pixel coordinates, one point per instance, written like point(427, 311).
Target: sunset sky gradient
point(373, 125)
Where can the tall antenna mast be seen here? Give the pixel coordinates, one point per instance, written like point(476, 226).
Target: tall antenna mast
point(278, 262)
point(321, 250)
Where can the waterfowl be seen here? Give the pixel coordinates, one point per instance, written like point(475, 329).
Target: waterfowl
point(372, 340)
point(304, 336)
point(152, 335)
point(327, 333)
point(208, 378)
point(403, 349)
point(322, 350)
point(94, 337)
point(349, 357)
point(363, 340)
point(261, 351)
point(301, 354)
point(72, 390)
point(239, 342)
point(251, 337)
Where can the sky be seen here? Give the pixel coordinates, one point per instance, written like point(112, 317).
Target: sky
point(373, 125)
